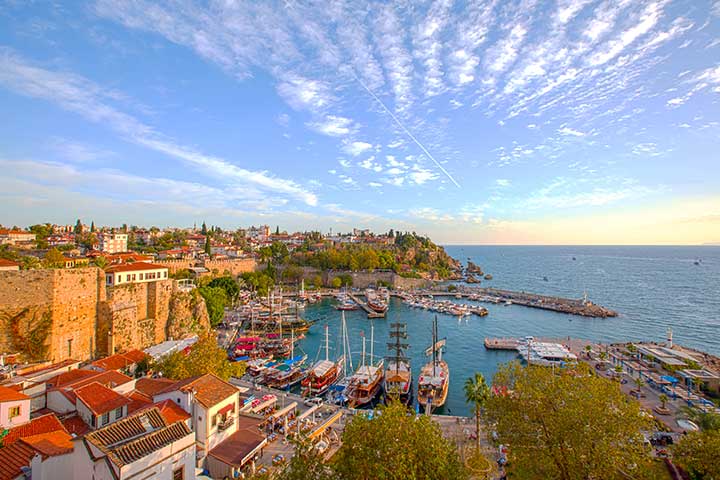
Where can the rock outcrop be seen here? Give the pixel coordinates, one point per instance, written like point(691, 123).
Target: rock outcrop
point(188, 315)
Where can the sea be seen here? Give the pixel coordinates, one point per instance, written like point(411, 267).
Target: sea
point(653, 288)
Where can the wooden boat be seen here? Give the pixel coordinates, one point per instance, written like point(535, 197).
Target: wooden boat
point(364, 386)
point(434, 377)
point(398, 373)
point(324, 373)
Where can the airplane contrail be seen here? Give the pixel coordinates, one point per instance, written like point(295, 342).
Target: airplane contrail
point(412, 137)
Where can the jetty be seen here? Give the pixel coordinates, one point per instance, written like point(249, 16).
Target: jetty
point(582, 307)
point(501, 343)
point(363, 304)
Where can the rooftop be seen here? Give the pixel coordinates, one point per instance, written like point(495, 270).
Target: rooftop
point(236, 449)
point(100, 399)
point(43, 424)
point(8, 263)
point(134, 267)
point(10, 395)
point(119, 360)
point(209, 389)
point(137, 436)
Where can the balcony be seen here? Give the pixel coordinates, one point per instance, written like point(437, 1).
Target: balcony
point(227, 423)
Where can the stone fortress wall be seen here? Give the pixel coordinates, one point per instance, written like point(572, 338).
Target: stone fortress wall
point(88, 319)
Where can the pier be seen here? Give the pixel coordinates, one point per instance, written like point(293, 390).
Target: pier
point(370, 312)
point(581, 307)
point(501, 343)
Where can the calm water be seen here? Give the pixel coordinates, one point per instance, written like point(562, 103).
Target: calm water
point(652, 288)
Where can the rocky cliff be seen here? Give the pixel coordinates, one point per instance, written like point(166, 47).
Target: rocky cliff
point(188, 315)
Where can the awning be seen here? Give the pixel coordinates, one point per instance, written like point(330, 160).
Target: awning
point(284, 411)
point(670, 379)
point(227, 408)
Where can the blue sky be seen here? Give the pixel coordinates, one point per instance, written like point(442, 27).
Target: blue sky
point(569, 121)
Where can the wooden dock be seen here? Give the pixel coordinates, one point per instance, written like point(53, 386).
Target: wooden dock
point(370, 312)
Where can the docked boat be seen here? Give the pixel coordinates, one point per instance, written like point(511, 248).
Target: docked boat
point(323, 373)
point(398, 374)
point(283, 375)
point(434, 377)
point(364, 386)
point(544, 353)
point(376, 302)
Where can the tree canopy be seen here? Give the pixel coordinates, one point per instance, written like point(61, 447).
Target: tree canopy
point(396, 445)
point(215, 300)
point(227, 283)
point(204, 357)
point(567, 424)
point(54, 259)
point(699, 454)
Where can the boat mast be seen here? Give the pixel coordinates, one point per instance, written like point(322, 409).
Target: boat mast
point(372, 340)
point(292, 342)
point(434, 340)
point(327, 342)
point(363, 350)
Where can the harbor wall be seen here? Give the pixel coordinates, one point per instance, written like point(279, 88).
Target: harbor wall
point(366, 279)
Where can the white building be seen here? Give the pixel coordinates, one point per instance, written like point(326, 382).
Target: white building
point(140, 446)
point(138, 272)
point(14, 408)
point(113, 242)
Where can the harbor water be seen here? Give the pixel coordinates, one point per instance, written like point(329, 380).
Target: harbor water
point(652, 288)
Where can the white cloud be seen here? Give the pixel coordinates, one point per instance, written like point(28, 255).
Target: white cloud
point(502, 182)
point(78, 95)
point(375, 184)
point(356, 148)
point(333, 126)
point(303, 93)
point(565, 131)
point(283, 119)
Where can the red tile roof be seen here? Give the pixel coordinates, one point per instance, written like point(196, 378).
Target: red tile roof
point(134, 267)
point(151, 386)
point(8, 263)
point(138, 401)
point(172, 412)
point(11, 395)
point(236, 449)
point(13, 458)
point(51, 444)
point(70, 377)
point(120, 360)
point(110, 379)
point(100, 399)
point(44, 424)
point(76, 425)
point(209, 389)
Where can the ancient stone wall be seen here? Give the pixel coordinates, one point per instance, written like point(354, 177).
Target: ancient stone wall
point(86, 318)
point(70, 297)
point(366, 279)
point(233, 266)
point(175, 266)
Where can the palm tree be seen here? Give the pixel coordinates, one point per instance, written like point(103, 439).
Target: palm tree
point(477, 392)
point(663, 400)
point(588, 349)
point(639, 383)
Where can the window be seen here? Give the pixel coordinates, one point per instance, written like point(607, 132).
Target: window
point(92, 420)
point(105, 418)
point(179, 473)
point(14, 412)
point(165, 274)
point(118, 412)
point(141, 276)
point(127, 277)
point(214, 420)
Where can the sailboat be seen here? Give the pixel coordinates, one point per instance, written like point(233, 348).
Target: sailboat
point(398, 374)
point(283, 375)
point(365, 384)
point(434, 377)
point(324, 373)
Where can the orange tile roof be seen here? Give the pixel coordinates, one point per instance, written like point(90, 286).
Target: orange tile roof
point(8, 263)
point(172, 412)
point(110, 379)
point(100, 399)
point(43, 424)
point(138, 401)
point(70, 377)
point(51, 444)
point(151, 386)
point(11, 395)
point(209, 389)
point(134, 267)
point(120, 360)
point(13, 458)
point(76, 425)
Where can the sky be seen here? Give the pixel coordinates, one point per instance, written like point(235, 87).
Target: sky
point(502, 122)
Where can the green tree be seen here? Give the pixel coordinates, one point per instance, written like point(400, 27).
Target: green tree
point(30, 262)
point(307, 463)
point(208, 250)
point(336, 282)
point(204, 357)
point(227, 283)
point(317, 281)
point(704, 420)
point(477, 393)
point(215, 300)
point(78, 230)
point(277, 230)
point(54, 259)
point(204, 229)
point(395, 445)
point(699, 454)
point(92, 226)
point(100, 262)
point(663, 400)
point(567, 424)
